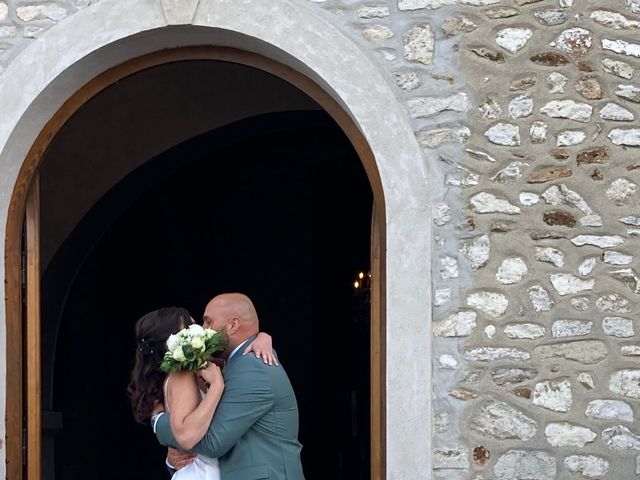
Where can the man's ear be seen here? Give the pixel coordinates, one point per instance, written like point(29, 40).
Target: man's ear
point(233, 325)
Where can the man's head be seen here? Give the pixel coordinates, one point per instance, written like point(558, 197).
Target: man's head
point(234, 316)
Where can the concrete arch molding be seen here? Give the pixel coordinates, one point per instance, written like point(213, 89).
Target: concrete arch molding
point(296, 42)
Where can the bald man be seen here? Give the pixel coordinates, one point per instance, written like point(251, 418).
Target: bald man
point(254, 432)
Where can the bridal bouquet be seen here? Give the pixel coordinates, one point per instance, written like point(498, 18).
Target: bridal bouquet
point(190, 348)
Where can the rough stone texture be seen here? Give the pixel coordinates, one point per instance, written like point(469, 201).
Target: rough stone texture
point(548, 174)
point(602, 241)
point(553, 395)
point(489, 354)
point(511, 173)
point(613, 303)
point(586, 380)
point(529, 331)
point(567, 284)
point(625, 383)
point(583, 351)
point(598, 155)
point(628, 277)
point(525, 465)
point(571, 328)
point(377, 33)
point(477, 251)
point(485, 202)
point(419, 44)
point(609, 410)
point(621, 190)
point(450, 458)
point(506, 376)
point(589, 466)
point(373, 12)
point(513, 39)
point(442, 136)
point(619, 68)
point(426, 106)
point(511, 271)
point(580, 112)
point(460, 324)
point(630, 350)
point(527, 114)
point(500, 420)
point(621, 438)
point(550, 255)
point(618, 327)
point(615, 112)
point(540, 299)
point(491, 303)
point(505, 134)
point(563, 434)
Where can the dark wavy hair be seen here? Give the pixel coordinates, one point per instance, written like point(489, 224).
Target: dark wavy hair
point(152, 331)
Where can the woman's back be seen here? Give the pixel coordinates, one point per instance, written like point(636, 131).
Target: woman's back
point(202, 467)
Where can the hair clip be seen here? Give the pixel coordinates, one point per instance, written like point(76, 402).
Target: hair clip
point(145, 348)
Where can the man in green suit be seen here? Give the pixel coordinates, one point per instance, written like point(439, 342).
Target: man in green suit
point(254, 432)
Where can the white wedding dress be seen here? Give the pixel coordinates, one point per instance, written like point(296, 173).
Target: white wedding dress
point(202, 467)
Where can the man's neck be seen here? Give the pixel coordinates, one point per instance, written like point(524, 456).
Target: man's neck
point(235, 350)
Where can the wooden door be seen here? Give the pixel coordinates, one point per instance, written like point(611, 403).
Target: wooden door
point(377, 342)
point(32, 333)
point(23, 416)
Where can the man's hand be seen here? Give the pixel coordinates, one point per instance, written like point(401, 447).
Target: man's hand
point(178, 459)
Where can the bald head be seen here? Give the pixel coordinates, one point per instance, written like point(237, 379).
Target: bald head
point(234, 315)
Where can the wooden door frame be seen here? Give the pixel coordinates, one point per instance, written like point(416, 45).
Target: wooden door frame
point(27, 179)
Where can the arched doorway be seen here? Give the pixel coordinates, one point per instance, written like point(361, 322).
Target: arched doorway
point(360, 99)
point(327, 189)
point(276, 205)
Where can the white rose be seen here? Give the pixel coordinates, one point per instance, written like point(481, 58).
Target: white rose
point(178, 354)
point(172, 342)
point(209, 333)
point(195, 330)
point(197, 343)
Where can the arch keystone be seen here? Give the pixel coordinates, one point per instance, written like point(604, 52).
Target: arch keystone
point(180, 12)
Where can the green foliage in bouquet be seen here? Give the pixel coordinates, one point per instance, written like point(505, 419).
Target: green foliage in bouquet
point(190, 348)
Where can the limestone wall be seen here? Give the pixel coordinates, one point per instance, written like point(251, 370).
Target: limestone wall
point(525, 110)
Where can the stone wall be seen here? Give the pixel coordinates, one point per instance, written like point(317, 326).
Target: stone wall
point(550, 374)
point(526, 111)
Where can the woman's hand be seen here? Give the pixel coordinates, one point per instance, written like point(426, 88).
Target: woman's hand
point(212, 375)
point(262, 348)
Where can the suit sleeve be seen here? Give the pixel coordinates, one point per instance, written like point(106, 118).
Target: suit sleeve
point(248, 395)
point(164, 433)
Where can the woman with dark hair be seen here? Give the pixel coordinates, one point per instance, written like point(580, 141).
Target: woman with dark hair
point(192, 409)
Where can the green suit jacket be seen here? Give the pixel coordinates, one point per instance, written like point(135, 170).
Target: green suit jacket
point(254, 432)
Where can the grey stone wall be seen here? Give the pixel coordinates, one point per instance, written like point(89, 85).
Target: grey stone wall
point(551, 373)
point(526, 111)
point(21, 22)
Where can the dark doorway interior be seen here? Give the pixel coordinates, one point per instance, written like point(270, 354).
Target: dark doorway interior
point(276, 206)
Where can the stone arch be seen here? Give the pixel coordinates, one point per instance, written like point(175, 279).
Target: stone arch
point(44, 76)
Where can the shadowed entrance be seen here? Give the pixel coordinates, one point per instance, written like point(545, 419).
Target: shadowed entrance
point(276, 206)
